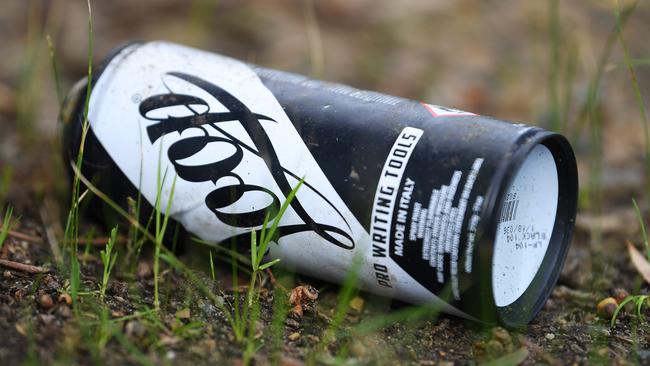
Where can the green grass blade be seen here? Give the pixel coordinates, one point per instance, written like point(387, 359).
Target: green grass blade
point(269, 264)
point(639, 303)
point(55, 69)
point(214, 277)
point(168, 208)
point(643, 229)
point(264, 225)
point(254, 263)
point(244, 260)
point(75, 277)
point(637, 91)
point(619, 307)
point(269, 236)
point(6, 225)
point(593, 91)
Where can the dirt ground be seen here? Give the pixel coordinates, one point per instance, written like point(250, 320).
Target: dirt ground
point(492, 58)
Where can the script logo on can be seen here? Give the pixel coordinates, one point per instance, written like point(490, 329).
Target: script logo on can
point(235, 153)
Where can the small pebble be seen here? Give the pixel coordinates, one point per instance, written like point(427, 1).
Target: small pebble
point(294, 336)
point(576, 349)
point(606, 307)
point(51, 283)
point(620, 294)
point(495, 346)
point(46, 301)
point(292, 323)
point(144, 269)
point(358, 349)
point(21, 328)
point(65, 297)
point(210, 344)
point(47, 319)
point(356, 304)
point(64, 311)
point(135, 329)
point(550, 336)
point(501, 335)
point(19, 294)
point(312, 338)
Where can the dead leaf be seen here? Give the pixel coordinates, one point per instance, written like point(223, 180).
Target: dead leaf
point(20, 328)
point(301, 296)
point(640, 262)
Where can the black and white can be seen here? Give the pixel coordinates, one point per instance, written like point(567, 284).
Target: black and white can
point(440, 205)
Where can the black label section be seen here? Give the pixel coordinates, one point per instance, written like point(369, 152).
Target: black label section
point(434, 225)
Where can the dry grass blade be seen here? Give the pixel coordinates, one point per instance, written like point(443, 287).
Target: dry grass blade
point(640, 262)
point(50, 227)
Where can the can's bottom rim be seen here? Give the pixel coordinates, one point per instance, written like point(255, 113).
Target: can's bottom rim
point(531, 300)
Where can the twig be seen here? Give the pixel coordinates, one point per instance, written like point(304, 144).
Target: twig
point(23, 236)
point(623, 339)
point(274, 281)
point(37, 240)
point(23, 267)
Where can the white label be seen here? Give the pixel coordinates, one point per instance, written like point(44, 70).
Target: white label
point(227, 140)
point(209, 121)
point(526, 224)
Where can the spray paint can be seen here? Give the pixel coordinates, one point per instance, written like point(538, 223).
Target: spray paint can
point(438, 203)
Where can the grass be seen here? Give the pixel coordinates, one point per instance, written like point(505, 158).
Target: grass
point(247, 319)
point(621, 15)
point(590, 115)
point(161, 226)
point(6, 225)
point(554, 64)
point(634, 83)
point(109, 257)
point(639, 300)
point(243, 320)
point(71, 234)
point(55, 70)
point(5, 181)
point(212, 274)
point(348, 291)
point(643, 229)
